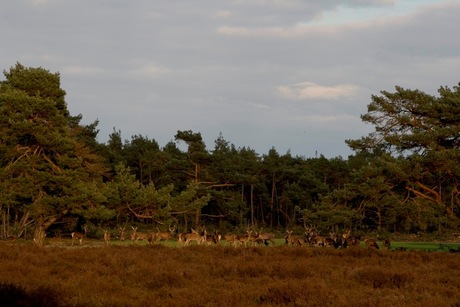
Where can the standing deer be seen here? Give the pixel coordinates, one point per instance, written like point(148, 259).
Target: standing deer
point(164, 236)
point(106, 236)
point(231, 239)
point(181, 239)
point(255, 239)
point(213, 238)
point(78, 235)
point(331, 241)
point(292, 240)
point(121, 233)
point(266, 237)
point(313, 238)
point(346, 234)
point(316, 239)
point(195, 236)
point(245, 238)
point(136, 236)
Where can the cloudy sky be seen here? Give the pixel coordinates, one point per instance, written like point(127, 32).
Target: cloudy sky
point(290, 74)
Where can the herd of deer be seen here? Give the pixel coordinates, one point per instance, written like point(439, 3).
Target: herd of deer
point(312, 238)
point(251, 238)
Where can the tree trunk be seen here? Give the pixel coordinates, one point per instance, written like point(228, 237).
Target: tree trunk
point(3, 234)
point(198, 217)
point(272, 200)
point(242, 201)
point(252, 204)
point(42, 224)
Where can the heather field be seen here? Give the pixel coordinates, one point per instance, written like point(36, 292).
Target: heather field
point(160, 275)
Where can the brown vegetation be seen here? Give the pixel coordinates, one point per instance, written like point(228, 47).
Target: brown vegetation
point(157, 275)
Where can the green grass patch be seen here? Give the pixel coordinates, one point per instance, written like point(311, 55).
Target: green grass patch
point(426, 246)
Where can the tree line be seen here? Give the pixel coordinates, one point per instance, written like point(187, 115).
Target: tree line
point(56, 177)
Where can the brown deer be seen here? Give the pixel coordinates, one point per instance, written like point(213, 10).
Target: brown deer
point(259, 241)
point(136, 236)
point(312, 238)
point(353, 241)
point(346, 234)
point(79, 235)
point(195, 236)
point(371, 243)
point(164, 236)
point(231, 239)
point(121, 233)
point(292, 240)
point(266, 237)
point(106, 236)
point(254, 239)
point(331, 241)
point(243, 239)
point(316, 239)
point(213, 238)
point(181, 239)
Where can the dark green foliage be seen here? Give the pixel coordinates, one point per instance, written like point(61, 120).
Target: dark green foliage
point(403, 177)
point(48, 169)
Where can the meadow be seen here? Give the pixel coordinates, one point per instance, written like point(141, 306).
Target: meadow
point(123, 274)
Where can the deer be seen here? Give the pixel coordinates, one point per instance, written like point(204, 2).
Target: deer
point(106, 236)
point(245, 238)
point(309, 234)
point(242, 239)
point(195, 236)
point(256, 239)
point(213, 238)
point(181, 238)
point(121, 233)
point(79, 236)
point(136, 236)
point(346, 234)
point(312, 237)
point(353, 241)
point(331, 240)
point(292, 240)
point(371, 243)
point(315, 239)
point(164, 236)
point(231, 239)
point(266, 237)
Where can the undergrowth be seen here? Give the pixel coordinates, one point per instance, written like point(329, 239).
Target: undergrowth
point(224, 276)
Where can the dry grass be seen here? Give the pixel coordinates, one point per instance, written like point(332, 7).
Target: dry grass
point(224, 276)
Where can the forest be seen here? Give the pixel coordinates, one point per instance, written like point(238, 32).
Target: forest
point(55, 177)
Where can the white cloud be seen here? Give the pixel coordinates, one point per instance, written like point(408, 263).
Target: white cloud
point(310, 90)
point(222, 14)
point(314, 28)
point(326, 118)
point(150, 70)
point(83, 70)
point(340, 19)
point(39, 2)
point(279, 32)
point(261, 106)
point(152, 67)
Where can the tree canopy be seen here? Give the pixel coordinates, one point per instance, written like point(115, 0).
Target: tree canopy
point(402, 177)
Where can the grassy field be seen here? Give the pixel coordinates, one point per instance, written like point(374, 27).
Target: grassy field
point(122, 274)
point(410, 246)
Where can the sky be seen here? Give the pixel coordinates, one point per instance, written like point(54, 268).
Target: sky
point(294, 75)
